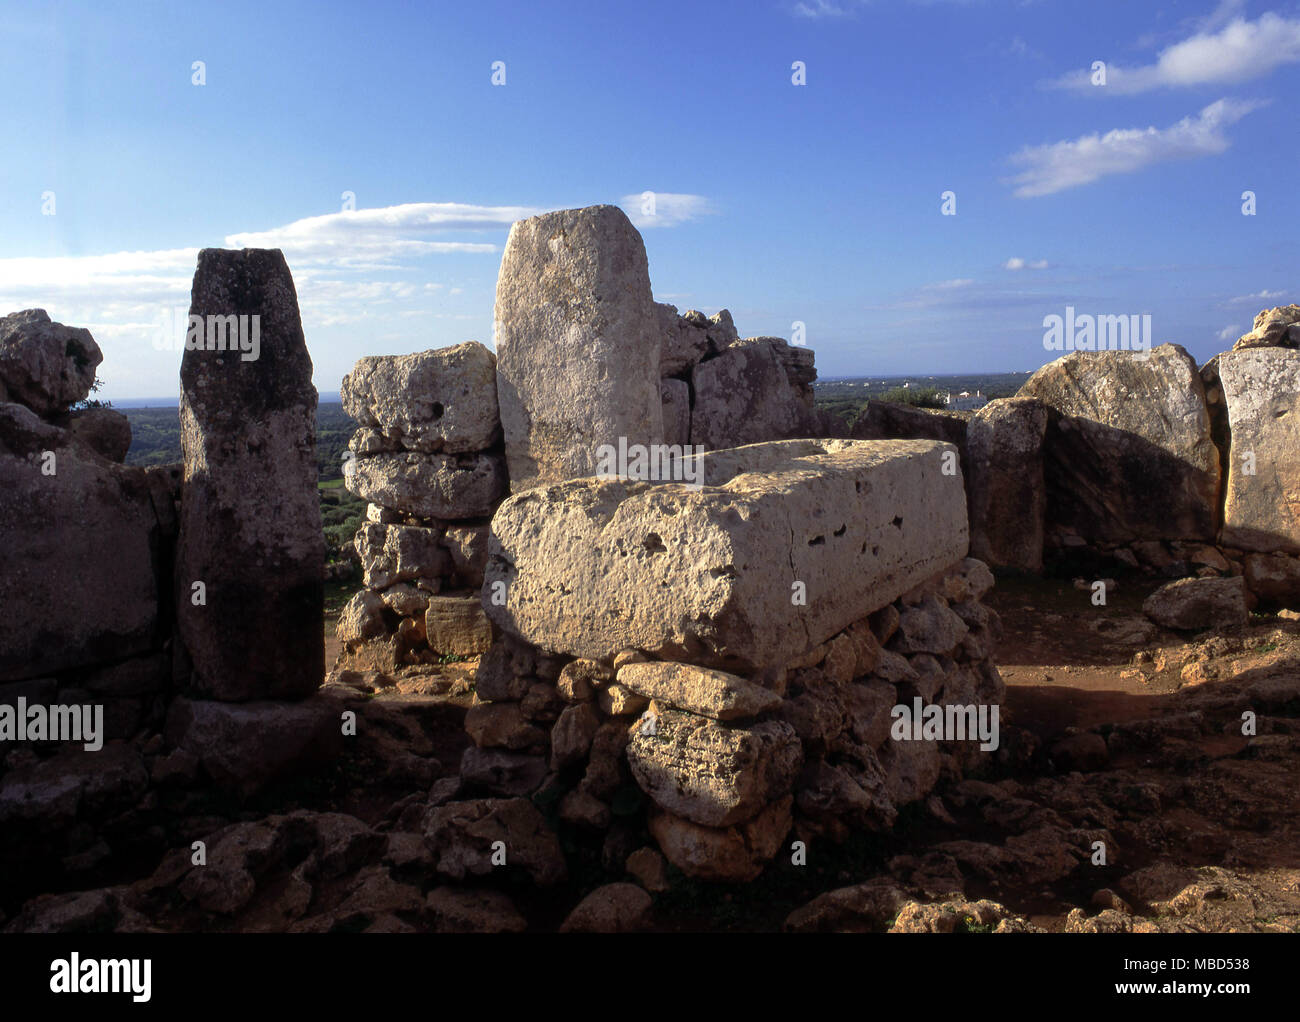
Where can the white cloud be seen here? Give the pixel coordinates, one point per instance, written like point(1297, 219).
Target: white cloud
point(1016, 263)
point(1057, 166)
point(1237, 52)
point(670, 208)
point(1230, 333)
point(820, 9)
point(1260, 296)
point(370, 238)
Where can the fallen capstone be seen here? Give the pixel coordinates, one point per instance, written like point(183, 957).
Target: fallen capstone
point(1261, 387)
point(784, 545)
point(578, 341)
point(1129, 454)
point(1195, 603)
point(444, 486)
point(84, 551)
point(443, 400)
point(45, 366)
point(250, 527)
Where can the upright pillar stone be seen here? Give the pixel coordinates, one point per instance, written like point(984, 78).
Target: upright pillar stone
point(250, 515)
point(577, 344)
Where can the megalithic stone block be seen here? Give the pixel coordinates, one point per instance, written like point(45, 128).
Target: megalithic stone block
point(782, 546)
point(250, 529)
point(578, 342)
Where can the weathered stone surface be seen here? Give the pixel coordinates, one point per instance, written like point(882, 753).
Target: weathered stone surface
point(501, 772)
point(1194, 603)
point(712, 774)
point(698, 690)
point(247, 745)
point(1277, 327)
point(929, 627)
point(577, 343)
point(1005, 484)
point(440, 400)
point(73, 784)
point(727, 854)
point(461, 836)
point(250, 511)
point(891, 420)
point(83, 552)
point(502, 726)
point(863, 908)
point(613, 908)
point(1129, 454)
point(104, 431)
point(1275, 579)
point(465, 910)
point(457, 624)
point(400, 553)
point(449, 486)
point(362, 618)
point(1261, 387)
point(744, 396)
point(676, 397)
point(45, 366)
point(468, 546)
point(592, 567)
point(683, 342)
point(573, 734)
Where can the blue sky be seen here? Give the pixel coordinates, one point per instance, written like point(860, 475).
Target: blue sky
point(818, 203)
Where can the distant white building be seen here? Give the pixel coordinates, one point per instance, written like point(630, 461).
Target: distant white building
point(965, 401)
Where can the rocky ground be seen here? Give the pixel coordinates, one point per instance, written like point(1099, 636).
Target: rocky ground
point(1113, 731)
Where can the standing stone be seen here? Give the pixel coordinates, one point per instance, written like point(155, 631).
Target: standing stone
point(578, 339)
point(1261, 387)
point(1129, 455)
point(1006, 490)
point(250, 515)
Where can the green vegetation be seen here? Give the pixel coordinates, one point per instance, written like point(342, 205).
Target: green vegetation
point(917, 397)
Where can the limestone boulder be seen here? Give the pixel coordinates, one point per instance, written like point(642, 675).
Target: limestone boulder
point(1196, 603)
point(447, 486)
point(577, 340)
point(735, 854)
point(455, 623)
point(1005, 483)
point(45, 366)
point(712, 774)
point(698, 690)
point(84, 552)
point(1274, 578)
point(400, 553)
point(1261, 388)
point(104, 431)
point(1129, 454)
point(1273, 328)
point(246, 746)
point(744, 396)
point(250, 528)
point(444, 400)
point(784, 545)
point(466, 837)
